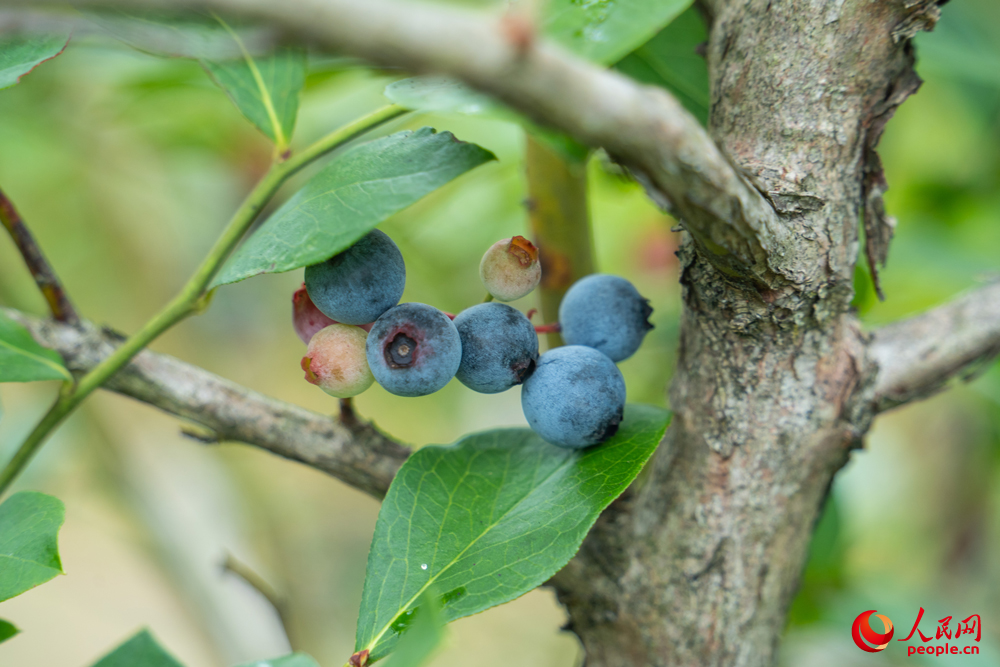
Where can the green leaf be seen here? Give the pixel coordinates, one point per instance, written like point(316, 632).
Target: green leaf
point(174, 34)
point(439, 94)
point(606, 30)
point(19, 54)
point(7, 630)
point(600, 30)
point(139, 651)
point(293, 660)
point(355, 192)
point(24, 360)
point(490, 518)
point(670, 60)
point(29, 547)
point(265, 90)
point(425, 632)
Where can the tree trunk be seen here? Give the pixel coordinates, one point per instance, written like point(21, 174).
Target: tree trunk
point(773, 388)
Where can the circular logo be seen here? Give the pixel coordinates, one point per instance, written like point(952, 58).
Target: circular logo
point(862, 628)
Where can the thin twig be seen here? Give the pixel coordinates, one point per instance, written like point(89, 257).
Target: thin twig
point(267, 591)
point(192, 297)
point(919, 356)
point(39, 267)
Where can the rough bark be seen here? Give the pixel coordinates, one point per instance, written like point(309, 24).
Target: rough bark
point(773, 386)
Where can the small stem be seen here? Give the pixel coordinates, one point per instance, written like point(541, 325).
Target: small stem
point(191, 298)
point(488, 298)
point(348, 417)
point(553, 328)
point(258, 583)
point(560, 224)
point(39, 267)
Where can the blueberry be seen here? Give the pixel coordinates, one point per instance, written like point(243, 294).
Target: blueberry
point(575, 398)
point(306, 317)
point(499, 347)
point(359, 284)
point(510, 268)
point(336, 361)
point(606, 313)
point(414, 349)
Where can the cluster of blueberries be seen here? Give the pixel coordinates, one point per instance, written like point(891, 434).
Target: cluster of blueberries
point(348, 312)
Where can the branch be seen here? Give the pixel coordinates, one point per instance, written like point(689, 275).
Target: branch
point(643, 127)
point(358, 454)
point(39, 267)
point(917, 357)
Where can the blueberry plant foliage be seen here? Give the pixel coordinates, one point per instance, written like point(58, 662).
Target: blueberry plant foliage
point(21, 54)
point(464, 527)
point(775, 378)
point(343, 202)
point(24, 360)
point(29, 549)
point(490, 518)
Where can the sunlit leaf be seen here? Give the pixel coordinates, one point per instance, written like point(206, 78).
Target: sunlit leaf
point(355, 192)
point(606, 30)
point(24, 360)
point(139, 651)
point(264, 89)
point(29, 546)
point(490, 518)
point(19, 54)
point(670, 60)
point(7, 630)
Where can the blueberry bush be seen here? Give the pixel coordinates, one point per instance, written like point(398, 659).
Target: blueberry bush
point(754, 126)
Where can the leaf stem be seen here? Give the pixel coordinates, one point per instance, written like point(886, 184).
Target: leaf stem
point(192, 298)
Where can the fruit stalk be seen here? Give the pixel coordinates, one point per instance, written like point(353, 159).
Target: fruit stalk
point(560, 224)
point(193, 297)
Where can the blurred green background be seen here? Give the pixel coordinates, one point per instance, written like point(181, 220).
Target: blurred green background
point(126, 166)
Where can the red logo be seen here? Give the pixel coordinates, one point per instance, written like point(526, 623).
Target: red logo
point(862, 628)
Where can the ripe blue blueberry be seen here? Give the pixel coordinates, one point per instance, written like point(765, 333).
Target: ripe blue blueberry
point(413, 349)
point(499, 347)
point(606, 313)
point(575, 398)
point(359, 284)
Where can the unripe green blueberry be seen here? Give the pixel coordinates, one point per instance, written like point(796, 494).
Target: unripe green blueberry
point(335, 361)
point(510, 268)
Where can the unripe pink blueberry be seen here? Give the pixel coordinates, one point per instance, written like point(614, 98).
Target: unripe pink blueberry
point(335, 361)
point(510, 268)
point(307, 318)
